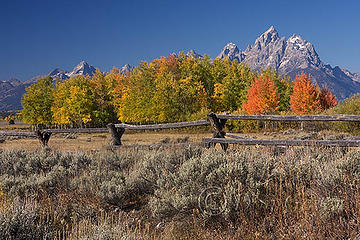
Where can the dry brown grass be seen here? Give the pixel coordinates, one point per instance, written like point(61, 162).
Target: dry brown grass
point(89, 142)
point(19, 125)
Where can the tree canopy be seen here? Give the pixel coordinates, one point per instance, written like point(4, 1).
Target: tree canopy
point(169, 89)
point(262, 96)
point(37, 102)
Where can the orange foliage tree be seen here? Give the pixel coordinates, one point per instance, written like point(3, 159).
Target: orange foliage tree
point(262, 96)
point(327, 99)
point(305, 96)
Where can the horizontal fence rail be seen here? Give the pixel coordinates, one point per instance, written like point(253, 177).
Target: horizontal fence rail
point(70, 130)
point(231, 135)
point(341, 117)
point(163, 125)
point(17, 134)
point(277, 142)
point(117, 130)
point(77, 130)
point(156, 146)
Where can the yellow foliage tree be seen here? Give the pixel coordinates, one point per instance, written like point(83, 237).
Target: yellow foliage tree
point(73, 102)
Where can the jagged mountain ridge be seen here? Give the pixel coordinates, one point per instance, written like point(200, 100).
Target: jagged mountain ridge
point(83, 68)
point(232, 52)
point(193, 53)
point(11, 91)
point(354, 76)
point(126, 69)
point(291, 57)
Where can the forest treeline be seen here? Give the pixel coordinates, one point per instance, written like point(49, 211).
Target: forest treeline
point(174, 88)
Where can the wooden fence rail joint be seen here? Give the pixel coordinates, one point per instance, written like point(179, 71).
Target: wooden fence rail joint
point(217, 126)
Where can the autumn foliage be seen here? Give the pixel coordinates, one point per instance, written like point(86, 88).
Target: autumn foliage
point(327, 99)
point(305, 96)
point(262, 96)
point(170, 89)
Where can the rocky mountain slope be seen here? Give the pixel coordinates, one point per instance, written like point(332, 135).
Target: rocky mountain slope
point(291, 57)
point(11, 91)
point(10, 94)
point(125, 69)
point(83, 68)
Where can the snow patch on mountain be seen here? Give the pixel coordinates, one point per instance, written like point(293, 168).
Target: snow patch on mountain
point(83, 68)
point(125, 69)
point(354, 76)
point(231, 51)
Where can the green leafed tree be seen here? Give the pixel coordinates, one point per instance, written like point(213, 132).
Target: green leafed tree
point(37, 102)
point(232, 81)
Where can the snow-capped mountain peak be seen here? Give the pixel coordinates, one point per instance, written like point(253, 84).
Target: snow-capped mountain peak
point(297, 42)
point(57, 73)
point(125, 69)
point(83, 68)
point(270, 35)
point(231, 51)
point(231, 46)
point(193, 53)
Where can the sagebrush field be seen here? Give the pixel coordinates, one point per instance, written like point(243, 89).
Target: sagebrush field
point(304, 193)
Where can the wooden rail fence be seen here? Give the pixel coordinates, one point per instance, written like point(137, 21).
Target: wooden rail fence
point(117, 130)
point(279, 142)
point(44, 135)
point(301, 118)
point(217, 122)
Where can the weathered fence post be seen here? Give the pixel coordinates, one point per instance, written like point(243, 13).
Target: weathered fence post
point(217, 125)
point(116, 134)
point(43, 137)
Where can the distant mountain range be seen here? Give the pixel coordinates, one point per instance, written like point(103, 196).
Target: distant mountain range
point(11, 91)
point(291, 57)
point(288, 56)
point(83, 68)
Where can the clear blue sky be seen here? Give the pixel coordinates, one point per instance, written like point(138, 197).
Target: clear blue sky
point(37, 36)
